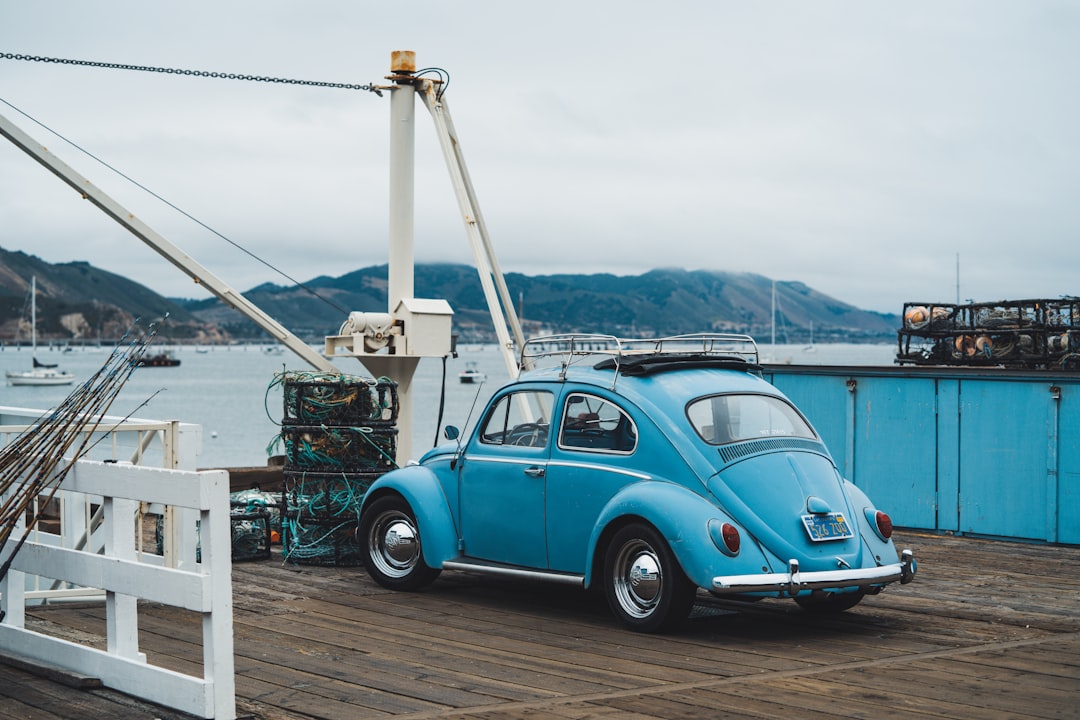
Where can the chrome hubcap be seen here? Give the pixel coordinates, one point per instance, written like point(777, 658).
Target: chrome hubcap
point(638, 579)
point(394, 544)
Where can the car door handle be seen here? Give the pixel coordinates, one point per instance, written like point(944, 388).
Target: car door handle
point(535, 471)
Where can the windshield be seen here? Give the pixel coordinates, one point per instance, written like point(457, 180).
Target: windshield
point(721, 419)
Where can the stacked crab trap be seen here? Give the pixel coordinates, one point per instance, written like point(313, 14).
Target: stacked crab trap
point(256, 523)
point(254, 519)
point(340, 434)
point(1029, 334)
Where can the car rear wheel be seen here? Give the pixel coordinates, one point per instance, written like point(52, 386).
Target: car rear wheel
point(644, 585)
point(826, 603)
point(393, 553)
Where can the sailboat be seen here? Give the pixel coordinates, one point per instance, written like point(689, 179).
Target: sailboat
point(771, 357)
point(810, 348)
point(41, 373)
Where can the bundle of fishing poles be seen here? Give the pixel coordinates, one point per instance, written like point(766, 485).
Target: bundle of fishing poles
point(35, 463)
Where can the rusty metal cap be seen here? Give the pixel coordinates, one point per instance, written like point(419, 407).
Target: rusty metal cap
point(402, 61)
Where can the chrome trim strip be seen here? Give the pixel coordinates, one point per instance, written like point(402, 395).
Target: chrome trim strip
point(599, 466)
point(794, 581)
point(559, 463)
point(508, 571)
point(507, 460)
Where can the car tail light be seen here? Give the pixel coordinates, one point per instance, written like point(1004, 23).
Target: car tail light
point(884, 524)
point(725, 536)
point(881, 522)
point(730, 534)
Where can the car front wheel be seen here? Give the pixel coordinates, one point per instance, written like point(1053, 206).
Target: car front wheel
point(393, 554)
point(644, 585)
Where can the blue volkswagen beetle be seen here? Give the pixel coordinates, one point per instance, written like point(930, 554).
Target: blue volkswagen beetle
point(648, 469)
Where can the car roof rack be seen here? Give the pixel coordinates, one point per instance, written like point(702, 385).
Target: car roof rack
point(639, 356)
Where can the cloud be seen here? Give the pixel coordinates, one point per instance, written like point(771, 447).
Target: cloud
point(856, 147)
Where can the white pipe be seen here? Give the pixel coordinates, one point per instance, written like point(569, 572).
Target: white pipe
point(402, 179)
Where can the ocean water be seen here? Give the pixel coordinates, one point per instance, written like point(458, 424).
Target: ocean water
point(231, 391)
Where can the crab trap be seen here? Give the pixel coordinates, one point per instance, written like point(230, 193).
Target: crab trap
point(308, 540)
point(255, 522)
point(325, 496)
point(250, 532)
point(336, 399)
point(335, 449)
point(1029, 334)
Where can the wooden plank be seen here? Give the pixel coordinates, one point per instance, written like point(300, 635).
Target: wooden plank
point(404, 663)
point(509, 645)
point(817, 695)
point(1015, 698)
point(12, 708)
point(1037, 667)
point(727, 705)
point(659, 706)
point(25, 695)
point(632, 655)
point(325, 642)
point(321, 676)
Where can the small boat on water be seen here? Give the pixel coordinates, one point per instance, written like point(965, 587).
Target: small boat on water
point(471, 374)
point(161, 359)
point(811, 348)
point(41, 373)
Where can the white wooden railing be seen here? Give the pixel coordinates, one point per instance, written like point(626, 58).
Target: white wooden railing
point(99, 554)
point(156, 443)
point(205, 589)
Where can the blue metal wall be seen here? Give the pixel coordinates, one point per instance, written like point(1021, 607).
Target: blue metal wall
point(969, 451)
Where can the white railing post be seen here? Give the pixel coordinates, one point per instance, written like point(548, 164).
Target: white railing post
point(121, 616)
point(180, 545)
point(216, 536)
point(13, 585)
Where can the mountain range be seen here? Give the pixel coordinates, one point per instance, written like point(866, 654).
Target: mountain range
point(77, 301)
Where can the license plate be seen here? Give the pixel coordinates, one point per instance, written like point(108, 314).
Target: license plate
point(829, 526)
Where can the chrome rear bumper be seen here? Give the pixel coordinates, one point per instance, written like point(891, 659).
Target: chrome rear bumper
point(793, 581)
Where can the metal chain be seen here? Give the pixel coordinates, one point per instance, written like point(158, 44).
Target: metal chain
point(195, 73)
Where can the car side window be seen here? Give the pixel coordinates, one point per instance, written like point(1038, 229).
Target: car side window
point(519, 418)
point(721, 419)
point(593, 424)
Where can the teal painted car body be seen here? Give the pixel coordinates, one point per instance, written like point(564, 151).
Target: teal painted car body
point(561, 461)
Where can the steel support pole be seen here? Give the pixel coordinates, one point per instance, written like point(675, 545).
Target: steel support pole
point(400, 271)
point(402, 178)
point(487, 264)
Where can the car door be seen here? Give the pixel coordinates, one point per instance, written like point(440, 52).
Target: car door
point(594, 458)
point(503, 480)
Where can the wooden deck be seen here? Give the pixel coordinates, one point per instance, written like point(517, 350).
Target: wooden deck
point(987, 630)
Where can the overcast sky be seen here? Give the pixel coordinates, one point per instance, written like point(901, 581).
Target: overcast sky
point(859, 147)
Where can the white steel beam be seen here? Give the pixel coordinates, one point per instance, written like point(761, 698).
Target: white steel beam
point(166, 249)
point(491, 276)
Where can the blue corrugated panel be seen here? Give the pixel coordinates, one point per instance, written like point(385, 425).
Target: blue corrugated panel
point(1068, 466)
point(978, 452)
point(896, 447)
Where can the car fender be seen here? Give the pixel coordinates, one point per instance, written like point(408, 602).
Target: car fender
point(420, 487)
point(682, 517)
point(881, 551)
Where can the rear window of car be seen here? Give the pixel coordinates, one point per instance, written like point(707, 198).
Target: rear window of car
point(722, 419)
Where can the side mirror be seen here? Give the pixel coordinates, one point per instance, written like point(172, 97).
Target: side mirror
point(451, 432)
